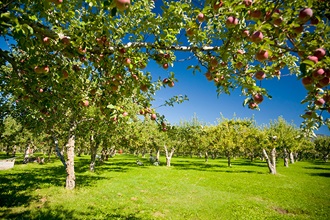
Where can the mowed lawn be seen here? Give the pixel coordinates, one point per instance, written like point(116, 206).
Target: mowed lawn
point(190, 189)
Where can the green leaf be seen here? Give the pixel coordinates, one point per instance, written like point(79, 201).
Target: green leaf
point(303, 68)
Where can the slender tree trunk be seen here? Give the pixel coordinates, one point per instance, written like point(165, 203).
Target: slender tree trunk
point(157, 154)
point(58, 152)
point(326, 157)
point(93, 153)
point(168, 156)
point(206, 156)
point(228, 159)
point(271, 163)
point(26, 154)
point(14, 150)
point(286, 159)
point(291, 157)
point(71, 178)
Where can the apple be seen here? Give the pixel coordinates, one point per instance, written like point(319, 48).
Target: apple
point(65, 40)
point(307, 81)
point(318, 74)
point(257, 37)
point(253, 105)
point(262, 55)
point(319, 53)
point(239, 65)
point(46, 40)
point(245, 33)
point(85, 103)
point(247, 3)
point(81, 50)
point(38, 69)
point(144, 88)
point(298, 30)
point(305, 14)
point(142, 112)
point(260, 75)
point(256, 14)
point(324, 81)
point(231, 21)
point(217, 5)
point(319, 102)
point(153, 116)
point(313, 58)
point(125, 114)
point(165, 81)
point(122, 50)
point(41, 90)
point(127, 61)
point(214, 62)
point(165, 65)
point(135, 77)
point(200, 17)
point(258, 98)
point(190, 32)
point(278, 21)
point(209, 76)
point(170, 84)
point(122, 5)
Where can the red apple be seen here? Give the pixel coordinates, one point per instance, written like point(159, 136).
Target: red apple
point(165, 81)
point(231, 21)
point(81, 50)
point(262, 55)
point(41, 90)
point(253, 105)
point(144, 88)
point(278, 21)
point(314, 21)
point(127, 61)
point(218, 5)
point(298, 30)
point(239, 65)
point(305, 14)
point(165, 65)
point(38, 69)
point(247, 3)
point(324, 81)
point(313, 58)
point(200, 17)
point(170, 84)
point(319, 102)
point(122, 5)
point(85, 103)
point(307, 81)
point(125, 114)
point(260, 75)
point(46, 40)
point(245, 33)
point(318, 74)
point(258, 98)
point(319, 53)
point(257, 37)
point(65, 40)
point(257, 14)
point(190, 32)
point(209, 76)
point(153, 116)
point(214, 62)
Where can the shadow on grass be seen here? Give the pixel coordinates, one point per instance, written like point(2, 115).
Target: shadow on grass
point(317, 168)
point(320, 174)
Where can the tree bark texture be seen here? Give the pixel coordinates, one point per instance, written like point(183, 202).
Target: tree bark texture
point(285, 157)
point(271, 163)
point(26, 154)
point(70, 178)
point(168, 156)
point(58, 152)
point(291, 157)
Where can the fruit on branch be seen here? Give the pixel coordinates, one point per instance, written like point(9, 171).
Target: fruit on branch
point(262, 55)
point(313, 58)
point(153, 116)
point(41, 90)
point(314, 21)
point(65, 74)
point(257, 37)
point(190, 32)
point(81, 50)
point(305, 14)
point(258, 98)
point(298, 30)
point(46, 40)
point(127, 61)
point(231, 21)
point(214, 62)
point(247, 3)
point(324, 81)
point(319, 53)
point(253, 105)
point(209, 76)
point(239, 65)
point(245, 33)
point(307, 81)
point(170, 83)
point(217, 5)
point(278, 21)
point(165, 65)
point(65, 41)
point(260, 75)
point(318, 74)
point(122, 5)
point(257, 14)
point(125, 114)
point(200, 17)
point(165, 81)
point(144, 88)
point(319, 102)
point(85, 103)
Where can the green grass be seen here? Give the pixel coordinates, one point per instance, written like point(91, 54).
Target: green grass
point(190, 189)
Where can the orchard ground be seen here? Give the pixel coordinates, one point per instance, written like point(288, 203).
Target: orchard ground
point(190, 189)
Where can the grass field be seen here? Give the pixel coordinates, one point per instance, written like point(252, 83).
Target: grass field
point(190, 189)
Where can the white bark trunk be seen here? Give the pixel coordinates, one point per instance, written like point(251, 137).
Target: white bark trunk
point(271, 163)
point(26, 154)
point(291, 158)
point(168, 156)
point(286, 159)
point(57, 149)
point(71, 178)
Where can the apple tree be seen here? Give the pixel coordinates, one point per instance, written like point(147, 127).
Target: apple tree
point(66, 56)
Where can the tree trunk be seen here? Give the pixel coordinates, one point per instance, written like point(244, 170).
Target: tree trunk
point(59, 154)
point(271, 163)
point(228, 159)
point(93, 153)
point(71, 178)
point(157, 154)
point(286, 159)
point(291, 157)
point(206, 156)
point(26, 154)
point(14, 151)
point(168, 156)
point(326, 157)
